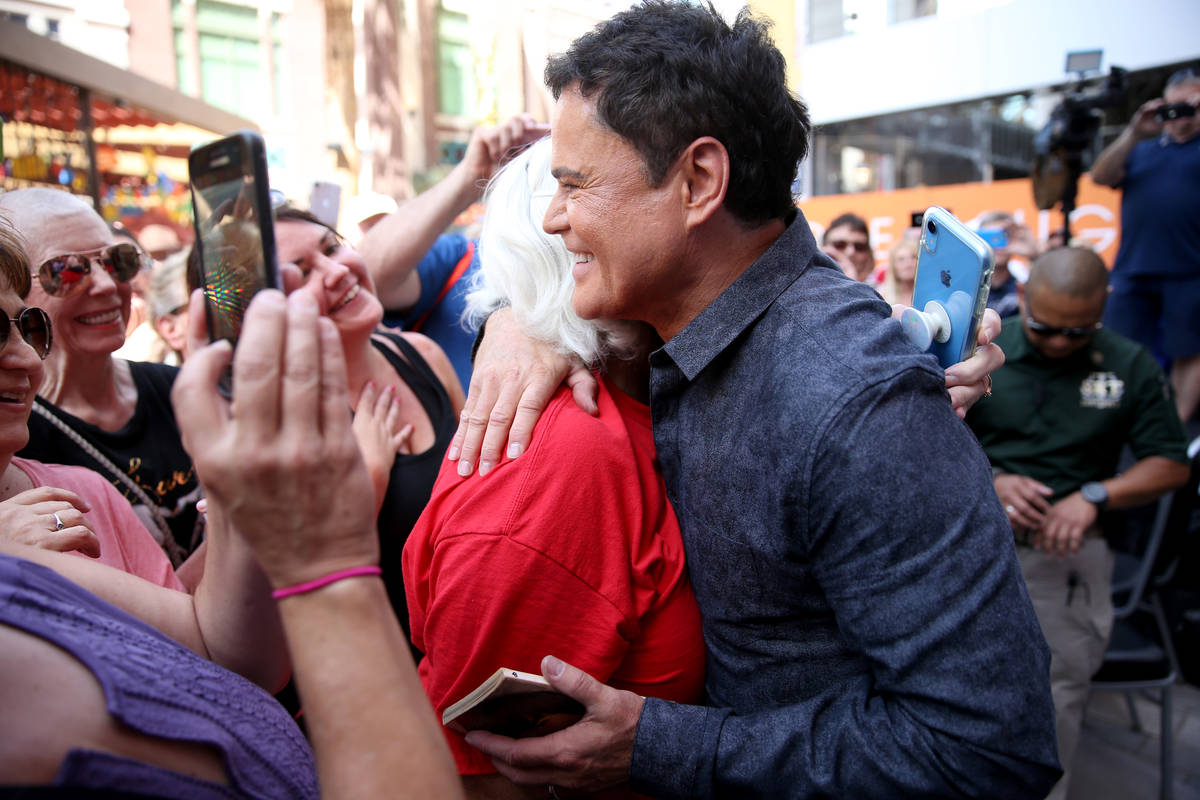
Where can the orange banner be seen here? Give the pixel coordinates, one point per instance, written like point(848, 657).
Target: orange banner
point(1097, 216)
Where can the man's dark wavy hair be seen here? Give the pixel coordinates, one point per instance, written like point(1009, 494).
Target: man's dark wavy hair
point(667, 72)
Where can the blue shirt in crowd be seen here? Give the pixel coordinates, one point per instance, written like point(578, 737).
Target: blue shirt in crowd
point(444, 324)
point(1160, 210)
point(867, 627)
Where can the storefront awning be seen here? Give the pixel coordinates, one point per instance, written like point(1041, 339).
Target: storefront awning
point(129, 98)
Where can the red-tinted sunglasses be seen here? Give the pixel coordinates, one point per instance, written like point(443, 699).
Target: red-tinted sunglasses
point(63, 276)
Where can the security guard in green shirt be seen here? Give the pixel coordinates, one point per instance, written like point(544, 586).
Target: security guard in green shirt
point(1068, 398)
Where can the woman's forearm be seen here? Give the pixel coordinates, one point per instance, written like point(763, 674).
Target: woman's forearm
point(234, 612)
point(372, 728)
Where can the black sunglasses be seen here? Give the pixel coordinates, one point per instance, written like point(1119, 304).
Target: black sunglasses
point(63, 276)
point(34, 327)
point(1042, 329)
point(842, 244)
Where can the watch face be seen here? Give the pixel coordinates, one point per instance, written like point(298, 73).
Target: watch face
point(1094, 493)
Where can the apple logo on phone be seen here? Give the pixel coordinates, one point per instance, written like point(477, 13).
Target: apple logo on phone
point(946, 278)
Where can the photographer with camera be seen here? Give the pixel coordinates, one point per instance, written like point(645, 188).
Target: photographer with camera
point(1156, 279)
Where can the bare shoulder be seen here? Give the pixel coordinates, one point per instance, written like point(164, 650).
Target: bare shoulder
point(438, 361)
point(53, 704)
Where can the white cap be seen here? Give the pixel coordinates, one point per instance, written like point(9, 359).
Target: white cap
point(369, 204)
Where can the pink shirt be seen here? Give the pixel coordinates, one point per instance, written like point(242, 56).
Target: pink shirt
point(124, 541)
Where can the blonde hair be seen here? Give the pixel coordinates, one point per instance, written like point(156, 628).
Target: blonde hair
point(890, 287)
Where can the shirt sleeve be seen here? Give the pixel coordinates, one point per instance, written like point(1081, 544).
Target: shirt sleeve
point(434, 270)
point(913, 553)
point(1156, 430)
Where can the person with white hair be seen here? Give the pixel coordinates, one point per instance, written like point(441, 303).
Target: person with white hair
point(574, 546)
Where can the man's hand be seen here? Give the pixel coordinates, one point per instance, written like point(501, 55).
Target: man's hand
point(1144, 124)
point(1065, 524)
point(1021, 242)
point(591, 755)
point(1024, 500)
point(29, 518)
point(513, 379)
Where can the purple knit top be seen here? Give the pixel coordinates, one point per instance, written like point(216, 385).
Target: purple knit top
point(161, 689)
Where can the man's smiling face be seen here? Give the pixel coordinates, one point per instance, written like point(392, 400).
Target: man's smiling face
point(627, 237)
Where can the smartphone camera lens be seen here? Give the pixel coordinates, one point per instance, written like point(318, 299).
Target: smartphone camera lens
point(933, 227)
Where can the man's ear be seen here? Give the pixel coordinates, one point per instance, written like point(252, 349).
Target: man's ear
point(704, 173)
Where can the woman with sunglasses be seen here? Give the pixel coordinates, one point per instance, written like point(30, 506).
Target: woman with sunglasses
point(51, 506)
point(395, 379)
point(93, 409)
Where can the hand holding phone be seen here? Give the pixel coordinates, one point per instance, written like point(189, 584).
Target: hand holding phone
point(954, 275)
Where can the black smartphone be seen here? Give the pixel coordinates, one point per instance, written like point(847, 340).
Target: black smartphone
point(235, 231)
point(1175, 111)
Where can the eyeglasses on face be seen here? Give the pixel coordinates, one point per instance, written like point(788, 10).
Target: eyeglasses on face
point(1042, 329)
point(34, 326)
point(63, 276)
point(843, 244)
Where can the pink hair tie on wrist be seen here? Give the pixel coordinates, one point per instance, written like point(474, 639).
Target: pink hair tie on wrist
point(317, 583)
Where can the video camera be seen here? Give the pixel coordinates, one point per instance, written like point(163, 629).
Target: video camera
point(1074, 122)
point(1071, 130)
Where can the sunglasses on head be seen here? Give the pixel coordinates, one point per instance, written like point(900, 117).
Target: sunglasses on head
point(842, 244)
point(1042, 329)
point(34, 326)
point(63, 276)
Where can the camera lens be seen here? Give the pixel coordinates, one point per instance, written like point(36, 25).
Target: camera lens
point(933, 227)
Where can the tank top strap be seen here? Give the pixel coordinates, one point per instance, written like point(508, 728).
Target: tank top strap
point(413, 369)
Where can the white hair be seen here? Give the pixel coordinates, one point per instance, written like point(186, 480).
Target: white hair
point(528, 269)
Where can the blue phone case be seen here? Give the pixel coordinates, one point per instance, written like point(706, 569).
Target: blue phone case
point(954, 269)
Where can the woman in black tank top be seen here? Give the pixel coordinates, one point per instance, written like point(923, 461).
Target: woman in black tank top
point(406, 394)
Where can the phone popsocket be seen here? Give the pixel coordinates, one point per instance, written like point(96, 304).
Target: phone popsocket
point(923, 328)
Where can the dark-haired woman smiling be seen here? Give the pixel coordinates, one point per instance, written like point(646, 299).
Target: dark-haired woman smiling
point(397, 381)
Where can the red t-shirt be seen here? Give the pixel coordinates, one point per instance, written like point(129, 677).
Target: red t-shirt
point(571, 549)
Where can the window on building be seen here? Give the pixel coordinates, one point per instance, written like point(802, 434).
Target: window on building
point(233, 65)
point(974, 141)
point(830, 19)
point(456, 64)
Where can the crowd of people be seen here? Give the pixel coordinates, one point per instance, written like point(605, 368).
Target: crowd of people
point(701, 481)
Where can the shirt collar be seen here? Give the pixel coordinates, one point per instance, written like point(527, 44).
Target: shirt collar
point(714, 328)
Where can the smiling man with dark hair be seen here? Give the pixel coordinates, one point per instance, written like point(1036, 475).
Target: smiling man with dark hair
point(866, 627)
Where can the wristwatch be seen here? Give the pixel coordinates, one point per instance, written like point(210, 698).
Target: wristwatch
point(1095, 493)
